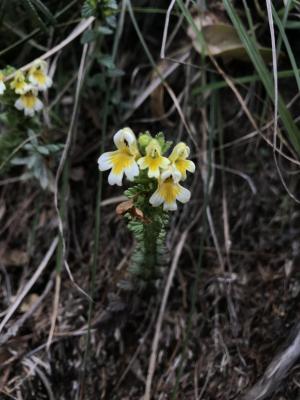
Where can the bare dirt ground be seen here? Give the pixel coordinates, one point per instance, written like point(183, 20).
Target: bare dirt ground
point(231, 310)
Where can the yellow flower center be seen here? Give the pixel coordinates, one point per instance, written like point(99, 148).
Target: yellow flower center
point(182, 165)
point(29, 100)
point(153, 163)
point(121, 159)
point(169, 190)
point(39, 76)
point(18, 84)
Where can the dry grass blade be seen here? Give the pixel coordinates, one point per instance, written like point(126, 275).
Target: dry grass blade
point(30, 283)
point(155, 343)
point(57, 178)
point(278, 368)
point(275, 74)
point(80, 28)
point(155, 83)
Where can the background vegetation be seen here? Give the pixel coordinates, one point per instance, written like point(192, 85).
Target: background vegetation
point(222, 76)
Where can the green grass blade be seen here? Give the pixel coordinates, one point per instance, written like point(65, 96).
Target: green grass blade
point(287, 46)
point(35, 16)
point(45, 11)
point(265, 76)
point(286, 11)
point(240, 81)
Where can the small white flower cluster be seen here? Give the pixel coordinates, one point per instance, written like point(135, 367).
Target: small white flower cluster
point(133, 156)
point(27, 85)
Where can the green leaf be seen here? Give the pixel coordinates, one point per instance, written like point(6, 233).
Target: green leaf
point(43, 150)
point(106, 60)
point(287, 46)
point(88, 36)
point(115, 73)
point(104, 30)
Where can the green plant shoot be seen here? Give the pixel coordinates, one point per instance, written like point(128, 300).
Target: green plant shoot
point(154, 192)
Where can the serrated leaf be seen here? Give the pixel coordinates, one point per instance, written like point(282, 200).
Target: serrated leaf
point(87, 10)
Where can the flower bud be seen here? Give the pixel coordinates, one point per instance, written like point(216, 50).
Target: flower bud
point(144, 139)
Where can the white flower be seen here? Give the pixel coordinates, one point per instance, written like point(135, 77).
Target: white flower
point(37, 75)
point(2, 84)
point(29, 103)
point(153, 161)
point(123, 160)
point(179, 162)
point(2, 87)
point(19, 84)
point(167, 192)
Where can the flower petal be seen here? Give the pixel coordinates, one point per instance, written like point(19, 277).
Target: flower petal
point(2, 87)
point(184, 195)
point(19, 104)
point(125, 134)
point(48, 82)
point(170, 206)
point(190, 166)
point(171, 171)
point(38, 105)
point(29, 112)
point(142, 163)
point(115, 179)
point(132, 171)
point(104, 161)
point(156, 199)
point(153, 172)
point(165, 162)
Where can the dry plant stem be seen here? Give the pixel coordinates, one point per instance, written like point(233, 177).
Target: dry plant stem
point(215, 238)
point(152, 86)
point(277, 369)
point(164, 43)
point(57, 178)
point(251, 119)
point(236, 92)
point(13, 330)
point(163, 82)
point(159, 322)
point(275, 74)
point(30, 283)
point(80, 28)
point(165, 33)
point(32, 364)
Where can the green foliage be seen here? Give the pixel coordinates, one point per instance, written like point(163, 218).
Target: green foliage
point(101, 9)
point(144, 140)
point(12, 132)
point(266, 78)
point(148, 224)
point(164, 144)
point(36, 159)
point(149, 232)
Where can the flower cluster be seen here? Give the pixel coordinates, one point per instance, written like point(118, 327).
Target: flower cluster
point(144, 158)
point(26, 86)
